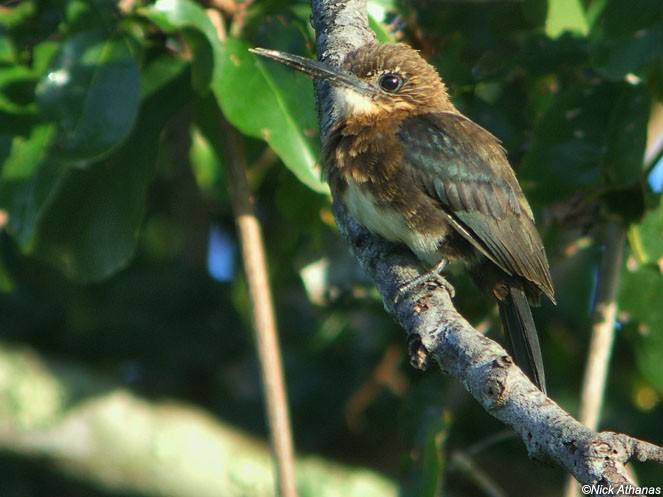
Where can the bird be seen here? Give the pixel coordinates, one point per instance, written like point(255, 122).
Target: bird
point(410, 167)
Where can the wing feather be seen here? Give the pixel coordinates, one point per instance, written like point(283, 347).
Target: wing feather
point(465, 168)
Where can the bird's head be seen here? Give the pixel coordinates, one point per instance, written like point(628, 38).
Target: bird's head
point(377, 81)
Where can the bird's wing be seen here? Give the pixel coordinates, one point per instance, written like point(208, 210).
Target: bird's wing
point(465, 168)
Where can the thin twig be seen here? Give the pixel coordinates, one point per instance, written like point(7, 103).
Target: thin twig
point(463, 461)
point(603, 330)
point(464, 464)
point(603, 334)
point(255, 267)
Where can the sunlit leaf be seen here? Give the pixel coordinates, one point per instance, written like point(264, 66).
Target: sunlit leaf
point(646, 237)
point(6, 52)
point(264, 100)
point(190, 20)
point(378, 11)
point(177, 14)
point(18, 14)
point(565, 16)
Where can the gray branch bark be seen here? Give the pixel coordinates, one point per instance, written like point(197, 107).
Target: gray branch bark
point(428, 316)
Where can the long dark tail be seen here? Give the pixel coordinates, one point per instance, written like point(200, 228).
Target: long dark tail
point(519, 325)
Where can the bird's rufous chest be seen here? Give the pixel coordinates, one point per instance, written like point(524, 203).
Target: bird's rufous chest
point(366, 171)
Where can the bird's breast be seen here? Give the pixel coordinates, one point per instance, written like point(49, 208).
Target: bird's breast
point(366, 171)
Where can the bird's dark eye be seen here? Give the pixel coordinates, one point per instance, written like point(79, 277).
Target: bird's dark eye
point(390, 82)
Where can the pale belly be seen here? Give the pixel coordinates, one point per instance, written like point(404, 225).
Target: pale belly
point(391, 224)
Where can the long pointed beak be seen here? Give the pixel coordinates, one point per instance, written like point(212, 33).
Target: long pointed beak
point(319, 70)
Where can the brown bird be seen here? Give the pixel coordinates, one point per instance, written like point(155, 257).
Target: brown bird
point(408, 166)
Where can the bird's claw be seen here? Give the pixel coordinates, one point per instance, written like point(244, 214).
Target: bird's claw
point(435, 281)
point(432, 277)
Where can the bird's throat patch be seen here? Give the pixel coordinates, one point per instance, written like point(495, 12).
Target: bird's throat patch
point(352, 103)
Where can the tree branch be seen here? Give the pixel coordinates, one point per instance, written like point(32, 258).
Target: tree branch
point(427, 315)
point(266, 335)
point(102, 433)
point(486, 371)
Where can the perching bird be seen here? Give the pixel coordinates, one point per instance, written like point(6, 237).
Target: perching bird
point(408, 166)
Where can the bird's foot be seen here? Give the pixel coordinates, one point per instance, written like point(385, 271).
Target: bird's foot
point(431, 276)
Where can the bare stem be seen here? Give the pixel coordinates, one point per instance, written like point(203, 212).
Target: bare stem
point(255, 267)
point(603, 330)
point(603, 334)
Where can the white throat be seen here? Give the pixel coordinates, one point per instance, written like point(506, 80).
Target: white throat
point(352, 103)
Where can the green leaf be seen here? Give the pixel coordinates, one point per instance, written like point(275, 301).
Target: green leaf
point(172, 15)
point(569, 144)
point(5, 148)
point(267, 101)
point(17, 91)
point(429, 429)
point(158, 75)
point(627, 137)
point(646, 237)
point(189, 19)
point(207, 157)
point(627, 37)
point(432, 458)
point(27, 184)
point(641, 289)
point(42, 55)
point(6, 280)
point(6, 51)
point(377, 16)
point(17, 14)
point(83, 15)
point(543, 55)
point(91, 92)
point(582, 144)
point(565, 16)
point(90, 229)
point(594, 10)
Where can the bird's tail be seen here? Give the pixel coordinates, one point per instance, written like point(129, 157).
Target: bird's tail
point(519, 325)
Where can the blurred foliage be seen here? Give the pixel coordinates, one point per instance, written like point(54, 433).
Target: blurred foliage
point(112, 179)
